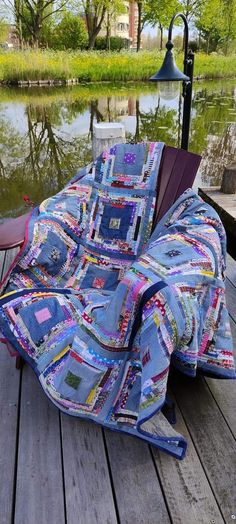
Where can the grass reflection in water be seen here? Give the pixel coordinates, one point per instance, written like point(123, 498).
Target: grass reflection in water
point(45, 134)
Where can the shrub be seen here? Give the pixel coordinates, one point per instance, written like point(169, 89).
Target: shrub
point(193, 45)
point(116, 43)
point(70, 33)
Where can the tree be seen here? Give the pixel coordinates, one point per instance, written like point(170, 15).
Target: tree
point(94, 11)
point(114, 9)
point(229, 26)
point(192, 8)
point(70, 33)
point(220, 30)
point(140, 23)
point(160, 13)
point(32, 16)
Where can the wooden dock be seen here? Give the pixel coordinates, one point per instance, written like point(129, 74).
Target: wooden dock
point(225, 205)
point(57, 469)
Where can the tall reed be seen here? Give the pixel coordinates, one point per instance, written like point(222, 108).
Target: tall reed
point(102, 66)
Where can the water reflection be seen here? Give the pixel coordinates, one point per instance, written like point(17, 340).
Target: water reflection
point(45, 135)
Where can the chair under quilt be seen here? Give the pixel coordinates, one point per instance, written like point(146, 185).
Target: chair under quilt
point(99, 306)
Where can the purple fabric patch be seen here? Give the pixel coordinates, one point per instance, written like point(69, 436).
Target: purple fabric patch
point(129, 158)
point(113, 150)
point(42, 315)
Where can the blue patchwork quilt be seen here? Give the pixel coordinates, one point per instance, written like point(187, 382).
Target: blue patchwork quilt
point(100, 309)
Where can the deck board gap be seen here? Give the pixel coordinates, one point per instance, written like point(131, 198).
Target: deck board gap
point(160, 482)
point(111, 478)
point(62, 467)
point(2, 266)
point(17, 448)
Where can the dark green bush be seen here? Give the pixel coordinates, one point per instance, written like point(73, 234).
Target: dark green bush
point(116, 43)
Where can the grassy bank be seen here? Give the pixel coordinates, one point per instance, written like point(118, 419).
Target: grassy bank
point(98, 67)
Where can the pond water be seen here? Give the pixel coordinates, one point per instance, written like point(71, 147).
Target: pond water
point(46, 133)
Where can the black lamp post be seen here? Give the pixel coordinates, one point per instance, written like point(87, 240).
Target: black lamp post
point(169, 72)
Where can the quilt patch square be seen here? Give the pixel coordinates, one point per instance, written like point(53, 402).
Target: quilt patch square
point(95, 276)
point(98, 283)
point(42, 315)
point(129, 158)
point(40, 321)
point(119, 224)
point(72, 380)
point(114, 223)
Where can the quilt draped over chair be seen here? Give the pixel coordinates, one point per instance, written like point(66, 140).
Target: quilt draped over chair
point(99, 308)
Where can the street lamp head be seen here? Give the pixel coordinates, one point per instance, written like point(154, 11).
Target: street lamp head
point(169, 70)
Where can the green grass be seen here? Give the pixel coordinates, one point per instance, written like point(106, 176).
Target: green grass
point(102, 66)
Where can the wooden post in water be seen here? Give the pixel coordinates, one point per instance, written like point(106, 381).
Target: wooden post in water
point(106, 135)
point(228, 184)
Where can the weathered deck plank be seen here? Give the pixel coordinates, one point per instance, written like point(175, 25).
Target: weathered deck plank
point(8, 258)
point(212, 438)
point(138, 493)
point(2, 259)
point(199, 489)
point(39, 482)
point(231, 269)
point(10, 380)
point(88, 492)
point(188, 494)
point(224, 392)
point(9, 394)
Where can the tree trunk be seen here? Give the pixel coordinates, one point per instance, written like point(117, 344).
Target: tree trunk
point(161, 37)
point(91, 40)
point(208, 43)
point(139, 28)
point(137, 130)
point(17, 8)
point(38, 23)
point(94, 26)
point(108, 35)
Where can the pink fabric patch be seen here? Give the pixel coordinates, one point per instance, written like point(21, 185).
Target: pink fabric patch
point(42, 315)
point(98, 283)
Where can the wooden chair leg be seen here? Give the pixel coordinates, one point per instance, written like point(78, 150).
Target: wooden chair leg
point(19, 362)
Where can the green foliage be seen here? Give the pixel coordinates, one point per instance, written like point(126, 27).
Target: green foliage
point(193, 45)
point(217, 24)
point(70, 33)
point(32, 18)
point(116, 43)
point(4, 28)
point(98, 66)
point(191, 8)
point(160, 13)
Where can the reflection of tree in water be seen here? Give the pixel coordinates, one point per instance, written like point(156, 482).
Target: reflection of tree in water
point(213, 135)
point(95, 116)
point(48, 158)
point(41, 160)
point(220, 151)
point(159, 124)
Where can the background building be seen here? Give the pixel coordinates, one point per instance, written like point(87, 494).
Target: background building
point(124, 25)
point(133, 24)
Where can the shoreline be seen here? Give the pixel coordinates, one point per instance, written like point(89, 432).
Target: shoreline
point(60, 82)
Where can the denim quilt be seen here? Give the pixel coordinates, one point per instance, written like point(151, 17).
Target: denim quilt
point(100, 309)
